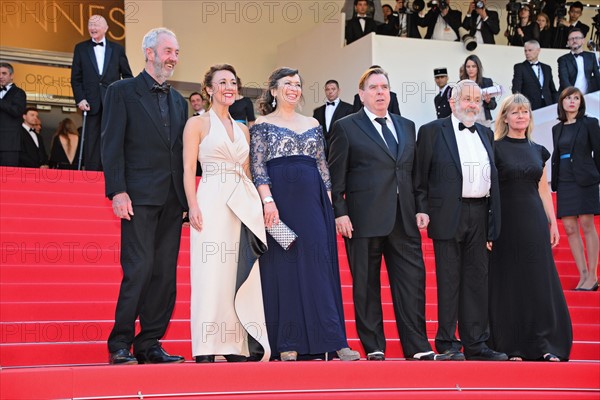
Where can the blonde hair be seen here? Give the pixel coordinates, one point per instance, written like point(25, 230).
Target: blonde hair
point(510, 103)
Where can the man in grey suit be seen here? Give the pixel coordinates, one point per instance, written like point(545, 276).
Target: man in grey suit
point(578, 68)
point(142, 154)
point(96, 64)
point(371, 161)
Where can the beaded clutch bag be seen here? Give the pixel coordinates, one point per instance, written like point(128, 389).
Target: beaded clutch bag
point(282, 234)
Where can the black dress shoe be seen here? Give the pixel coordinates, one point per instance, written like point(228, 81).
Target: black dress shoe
point(205, 359)
point(376, 355)
point(430, 356)
point(488, 354)
point(455, 355)
point(235, 358)
point(122, 357)
point(156, 355)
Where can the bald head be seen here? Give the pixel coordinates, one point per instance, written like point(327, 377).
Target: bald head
point(97, 26)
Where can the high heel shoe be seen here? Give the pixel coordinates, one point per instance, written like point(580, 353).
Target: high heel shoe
point(288, 355)
point(205, 359)
point(592, 289)
point(347, 354)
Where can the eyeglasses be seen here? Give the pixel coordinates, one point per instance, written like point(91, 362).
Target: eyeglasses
point(576, 38)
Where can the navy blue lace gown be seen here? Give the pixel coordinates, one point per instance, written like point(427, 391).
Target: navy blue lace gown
point(301, 286)
point(528, 312)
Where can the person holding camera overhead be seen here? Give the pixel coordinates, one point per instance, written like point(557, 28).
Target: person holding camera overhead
point(399, 21)
point(441, 21)
point(564, 26)
point(523, 28)
point(481, 23)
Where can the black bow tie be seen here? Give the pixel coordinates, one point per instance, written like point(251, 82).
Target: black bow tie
point(576, 54)
point(330, 103)
point(363, 18)
point(32, 130)
point(2, 88)
point(164, 87)
point(97, 43)
point(462, 127)
point(535, 64)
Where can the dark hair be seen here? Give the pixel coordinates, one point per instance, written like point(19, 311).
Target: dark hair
point(208, 77)
point(358, 1)
point(477, 61)
point(575, 30)
point(388, 6)
point(576, 4)
point(194, 94)
point(368, 73)
point(332, 81)
point(265, 101)
point(562, 114)
point(11, 70)
point(65, 127)
point(30, 109)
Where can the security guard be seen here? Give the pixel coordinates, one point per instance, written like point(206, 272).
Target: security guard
point(442, 107)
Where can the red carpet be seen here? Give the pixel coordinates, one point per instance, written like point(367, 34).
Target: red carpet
point(59, 281)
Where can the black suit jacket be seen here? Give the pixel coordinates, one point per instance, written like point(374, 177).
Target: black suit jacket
point(586, 166)
point(393, 107)
point(136, 155)
point(563, 33)
point(430, 19)
point(30, 155)
point(86, 81)
point(12, 107)
point(354, 30)
point(488, 28)
point(341, 111)
point(526, 82)
point(567, 71)
point(438, 179)
point(368, 182)
point(392, 27)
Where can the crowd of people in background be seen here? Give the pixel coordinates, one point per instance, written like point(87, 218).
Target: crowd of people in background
point(359, 171)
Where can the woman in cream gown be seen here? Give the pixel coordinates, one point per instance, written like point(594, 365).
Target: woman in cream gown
point(227, 234)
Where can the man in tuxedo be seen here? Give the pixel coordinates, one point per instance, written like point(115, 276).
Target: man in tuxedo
point(333, 109)
point(33, 152)
point(399, 21)
point(533, 79)
point(96, 64)
point(442, 22)
point(361, 24)
point(142, 155)
point(578, 68)
point(442, 105)
point(371, 164)
point(458, 201)
point(13, 102)
point(197, 103)
point(564, 26)
point(481, 23)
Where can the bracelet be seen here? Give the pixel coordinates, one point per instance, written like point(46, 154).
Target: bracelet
point(268, 199)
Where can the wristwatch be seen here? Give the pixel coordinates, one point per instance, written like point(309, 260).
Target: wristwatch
point(268, 199)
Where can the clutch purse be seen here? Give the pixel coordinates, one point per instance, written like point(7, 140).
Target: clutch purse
point(282, 234)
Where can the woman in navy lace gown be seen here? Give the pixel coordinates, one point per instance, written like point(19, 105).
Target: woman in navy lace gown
point(301, 286)
point(529, 318)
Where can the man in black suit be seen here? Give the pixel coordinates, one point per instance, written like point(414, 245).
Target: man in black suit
point(96, 64)
point(333, 109)
point(13, 101)
point(533, 79)
point(361, 24)
point(458, 201)
point(564, 26)
point(33, 152)
point(371, 162)
point(400, 21)
point(442, 105)
point(578, 68)
point(393, 107)
point(142, 154)
point(481, 23)
point(442, 22)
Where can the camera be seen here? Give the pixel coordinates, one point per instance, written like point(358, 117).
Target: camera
point(561, 10)
point(513, 7)
point(469, 42)
point(441, 4)
point(480, 5)
point(418, 5)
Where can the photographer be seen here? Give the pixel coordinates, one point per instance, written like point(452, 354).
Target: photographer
point(399, 21)
point(524, 29)
point(564, 26)
point(441, 21)
point(482, 23)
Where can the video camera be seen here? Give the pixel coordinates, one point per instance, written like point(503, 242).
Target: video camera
point(512, 16)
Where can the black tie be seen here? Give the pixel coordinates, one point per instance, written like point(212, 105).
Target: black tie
point(576, 54)
point(363, 18)
point(196, 114)
point(388, 136)
point(330, 103)
point(535, 64)
point(2, 88)
point(32, 130)
point(462, 127)
point(164, 87)
point(98, 44)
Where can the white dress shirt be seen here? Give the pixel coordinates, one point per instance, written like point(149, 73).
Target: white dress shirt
point(474, 161)
point(377, 125)
point(100, 51)
point(443, 31)
point(329, 110)
point(3, 93)
point(580, 82)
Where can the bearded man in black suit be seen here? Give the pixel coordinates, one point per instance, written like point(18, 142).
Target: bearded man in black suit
point(458, 201)
point(533, 79)
point(142, 154)
point(578, 68)
point(371, 161)
point(96, 64)
point(13, 102)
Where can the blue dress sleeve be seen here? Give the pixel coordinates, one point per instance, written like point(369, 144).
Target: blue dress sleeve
point(259, 153)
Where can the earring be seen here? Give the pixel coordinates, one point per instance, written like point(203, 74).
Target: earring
point(210, 98)
point(274, 102)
